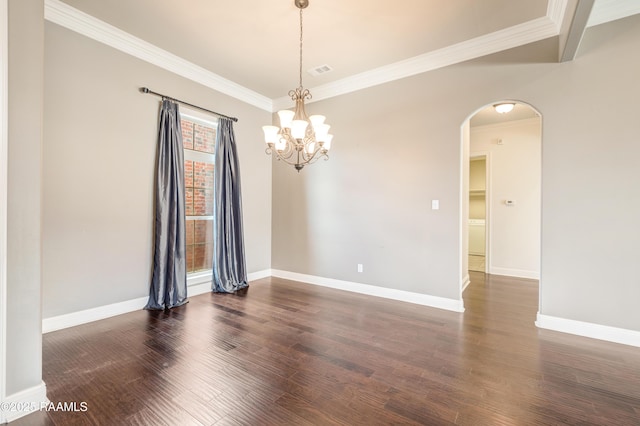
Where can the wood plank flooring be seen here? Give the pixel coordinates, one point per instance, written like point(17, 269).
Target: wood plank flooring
point(287, 353)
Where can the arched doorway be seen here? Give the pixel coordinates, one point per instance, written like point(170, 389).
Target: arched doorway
point(500, 216)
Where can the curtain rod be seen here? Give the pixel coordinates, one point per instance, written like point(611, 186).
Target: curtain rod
point(146, 90)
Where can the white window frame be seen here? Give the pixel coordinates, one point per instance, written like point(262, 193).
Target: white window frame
point(203, 276)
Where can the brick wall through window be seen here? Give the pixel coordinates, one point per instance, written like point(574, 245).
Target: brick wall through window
point(198, 139)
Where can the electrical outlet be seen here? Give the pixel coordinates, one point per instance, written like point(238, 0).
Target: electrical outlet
point(360, 268)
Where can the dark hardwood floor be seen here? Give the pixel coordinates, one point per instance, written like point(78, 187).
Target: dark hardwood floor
point(296, 354)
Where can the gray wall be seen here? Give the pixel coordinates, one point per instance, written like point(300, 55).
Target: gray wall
point(24, 325)
point(397, 146)
point(371, 202)
point(99, 155)
point(590, 175)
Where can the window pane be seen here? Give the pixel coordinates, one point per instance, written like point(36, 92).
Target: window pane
point(202, 202)
point(199, 245)
point(188, 202)
point(188, 173)
point(190, 258)
point(203, 231)
point(190, 240)
point(190, 232)
point(199, 143)
point(202, 175)
point(204, 138)
point(202, 256)
point(187, 134)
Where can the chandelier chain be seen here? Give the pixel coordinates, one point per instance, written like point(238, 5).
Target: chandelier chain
point(300, 48)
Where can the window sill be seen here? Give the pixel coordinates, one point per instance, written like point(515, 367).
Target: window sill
point(199, 277)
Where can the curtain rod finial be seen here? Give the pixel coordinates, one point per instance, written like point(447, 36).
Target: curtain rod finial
point(144, 89)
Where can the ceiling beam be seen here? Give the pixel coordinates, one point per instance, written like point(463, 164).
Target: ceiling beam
point(570, 39)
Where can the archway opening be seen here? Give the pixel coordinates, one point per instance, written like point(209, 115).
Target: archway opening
point(500, 217)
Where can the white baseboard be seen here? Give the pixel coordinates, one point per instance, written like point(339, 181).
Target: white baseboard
point(200, 284)
point(255, 276)
point(196, 285)
point(22, 403)
point(94, 314)
point(587, 329)
point(372, 290)
point(465, 283)
point(518, 273)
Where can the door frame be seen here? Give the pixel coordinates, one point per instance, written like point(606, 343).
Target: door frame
point(487, 205)
point(465, 142)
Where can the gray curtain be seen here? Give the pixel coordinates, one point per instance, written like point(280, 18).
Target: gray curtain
point(229, 266)
point(169, 281)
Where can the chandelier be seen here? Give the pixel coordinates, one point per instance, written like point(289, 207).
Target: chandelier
point(300, 139)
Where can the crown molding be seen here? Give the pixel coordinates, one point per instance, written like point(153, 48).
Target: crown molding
point(611, 10)
point(517, 35)
point(555, 12)
point(528, 32)
point(66, 16)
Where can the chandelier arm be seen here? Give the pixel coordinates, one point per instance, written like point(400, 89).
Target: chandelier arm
point(316, 157)
point(310, 158)
point(285, 153)
point(287, 160)
point(302, 156)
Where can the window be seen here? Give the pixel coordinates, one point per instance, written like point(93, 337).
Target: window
point(198, 139)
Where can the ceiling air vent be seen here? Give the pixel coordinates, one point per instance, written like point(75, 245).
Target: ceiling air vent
point(322, 69)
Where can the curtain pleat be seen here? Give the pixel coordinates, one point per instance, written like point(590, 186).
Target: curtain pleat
point(169, 280)
point(229, 265)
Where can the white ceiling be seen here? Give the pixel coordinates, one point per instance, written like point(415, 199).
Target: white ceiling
point(254, 43)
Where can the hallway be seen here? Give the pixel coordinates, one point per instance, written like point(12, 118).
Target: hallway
point(476, 263)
